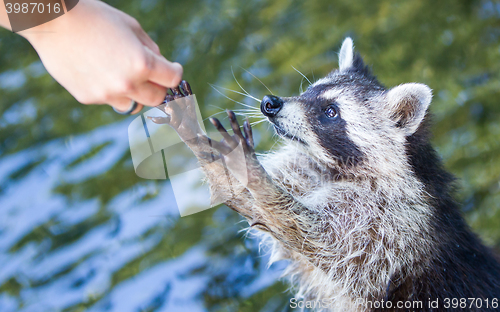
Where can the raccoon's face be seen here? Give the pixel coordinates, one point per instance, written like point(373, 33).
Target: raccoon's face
point(348, 117)
point(315, 122)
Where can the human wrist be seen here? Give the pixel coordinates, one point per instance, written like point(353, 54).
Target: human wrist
point(57, 25)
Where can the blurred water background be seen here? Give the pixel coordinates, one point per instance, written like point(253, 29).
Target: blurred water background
point(80, 232)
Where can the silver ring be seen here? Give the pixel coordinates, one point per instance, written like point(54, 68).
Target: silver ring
point(133, 106)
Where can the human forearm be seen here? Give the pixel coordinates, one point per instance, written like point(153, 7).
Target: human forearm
point(102, 55)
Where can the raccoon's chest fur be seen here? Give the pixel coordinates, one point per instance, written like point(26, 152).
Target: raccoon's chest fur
point(357, 218)
point(300, 175)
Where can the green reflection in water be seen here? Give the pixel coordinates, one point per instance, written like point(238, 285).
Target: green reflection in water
point(452, 46)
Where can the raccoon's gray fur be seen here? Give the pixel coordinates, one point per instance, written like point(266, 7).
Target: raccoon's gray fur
point(356, 198)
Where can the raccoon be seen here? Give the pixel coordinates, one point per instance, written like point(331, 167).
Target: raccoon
point(356, 198)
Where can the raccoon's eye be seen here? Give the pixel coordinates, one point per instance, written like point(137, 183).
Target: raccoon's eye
point(331, 112)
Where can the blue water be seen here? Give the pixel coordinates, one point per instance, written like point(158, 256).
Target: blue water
point(53, 279)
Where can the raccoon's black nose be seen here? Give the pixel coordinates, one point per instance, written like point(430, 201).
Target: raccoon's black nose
point(271, 105)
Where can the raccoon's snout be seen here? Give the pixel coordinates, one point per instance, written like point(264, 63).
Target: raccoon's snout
point(271, 105)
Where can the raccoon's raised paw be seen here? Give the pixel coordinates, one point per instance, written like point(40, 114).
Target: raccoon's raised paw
point(238, 151)
point(180, 111)
point(183, 90)
point(231, 142)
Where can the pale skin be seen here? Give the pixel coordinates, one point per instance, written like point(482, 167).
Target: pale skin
point(102, 56)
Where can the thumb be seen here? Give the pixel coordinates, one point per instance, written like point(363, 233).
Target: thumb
point(164, 72)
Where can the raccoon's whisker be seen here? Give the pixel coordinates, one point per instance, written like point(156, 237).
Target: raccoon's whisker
point(257, 122)
point(253, 117)
point(245, 94)
point(249, 113)
point(215, 106)
point(245, 115)
point(237, 112)
point(227, 97)
point(218, 113)
point(302, 75)
point(301, 90)
point(248, 94)
point(258, 80)
point(275, 142)
point(225, 117)
point(232, 72)
point(253, 111)
point(262, 120)
point(275, 135)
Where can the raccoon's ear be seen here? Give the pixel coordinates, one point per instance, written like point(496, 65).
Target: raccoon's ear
point(407, 105)
point(346, 54)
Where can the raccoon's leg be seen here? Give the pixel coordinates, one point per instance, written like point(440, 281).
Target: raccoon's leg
point(224, 187)
point(274, 209)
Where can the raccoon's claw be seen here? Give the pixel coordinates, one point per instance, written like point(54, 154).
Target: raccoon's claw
point(240, 160)
point(176, 92)
point(247, 139)
point(229, 141)
point(234, 123)
point(168, 98)
point(248, 133)
point(183, 90)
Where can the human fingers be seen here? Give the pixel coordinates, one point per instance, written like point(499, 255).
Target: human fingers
point(148, 93)
point(147, 41)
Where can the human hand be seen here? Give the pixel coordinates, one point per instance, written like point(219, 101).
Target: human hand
point(102, 55)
